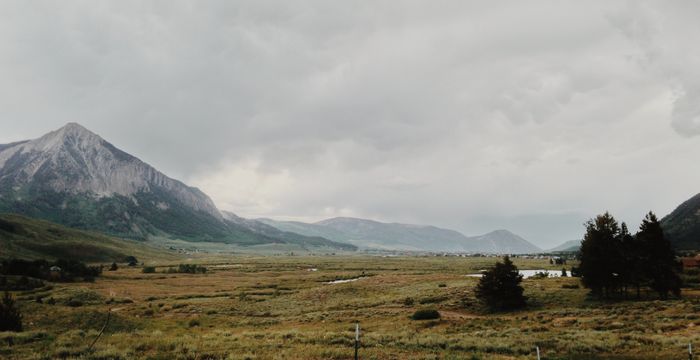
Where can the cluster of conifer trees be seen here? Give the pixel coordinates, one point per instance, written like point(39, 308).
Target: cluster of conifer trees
point(613, 261)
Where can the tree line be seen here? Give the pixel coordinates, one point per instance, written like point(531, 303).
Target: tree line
point(70, 270)
point(613, 261)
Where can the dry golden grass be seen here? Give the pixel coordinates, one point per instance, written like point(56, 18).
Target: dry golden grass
point(275, 308)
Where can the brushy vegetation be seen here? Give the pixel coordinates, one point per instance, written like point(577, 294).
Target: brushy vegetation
point(273, 308)
point(10, 317)
point(18, 283)
point(425, 314)
point(59, 270)
point(187, 269)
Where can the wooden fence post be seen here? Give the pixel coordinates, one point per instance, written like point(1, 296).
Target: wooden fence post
point(357, 340)
point(690, 351)
point(537, 348)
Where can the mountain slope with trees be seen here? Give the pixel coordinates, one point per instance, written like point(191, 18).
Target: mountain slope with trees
point(682, 225)
point(26, 238)
point(74, 177)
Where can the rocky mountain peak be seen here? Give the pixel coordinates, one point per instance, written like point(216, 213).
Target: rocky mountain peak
point(75, 129)
point(71, 134)
point(74, 159)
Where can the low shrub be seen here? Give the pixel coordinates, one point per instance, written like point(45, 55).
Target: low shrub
point(187, 269)
point(148, 270)
point(426, 314)
point(541, 275)
point(10, 317)
point(74, 303)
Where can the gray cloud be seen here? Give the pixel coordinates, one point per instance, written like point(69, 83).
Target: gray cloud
point(528, 116)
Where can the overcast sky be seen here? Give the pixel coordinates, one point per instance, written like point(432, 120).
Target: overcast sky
point(471, 115)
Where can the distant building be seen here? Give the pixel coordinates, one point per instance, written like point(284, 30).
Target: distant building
point(691, 262)
point(54, 273)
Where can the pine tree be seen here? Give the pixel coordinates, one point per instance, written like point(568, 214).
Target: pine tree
point(660, 262)
point(500, 289)
point(627, 259)
point(10, 317)
point(634, 260)
point(600, 255)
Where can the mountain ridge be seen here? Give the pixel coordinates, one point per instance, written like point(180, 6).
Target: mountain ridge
point(398, 236)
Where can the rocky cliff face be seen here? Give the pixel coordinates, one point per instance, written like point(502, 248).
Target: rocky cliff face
point(74, 160)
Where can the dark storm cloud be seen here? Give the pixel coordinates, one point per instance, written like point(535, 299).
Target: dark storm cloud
point(462, 114)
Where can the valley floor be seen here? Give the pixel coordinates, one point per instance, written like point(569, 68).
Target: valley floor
point(281, 308)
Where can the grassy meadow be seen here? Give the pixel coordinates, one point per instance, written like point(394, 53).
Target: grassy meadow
point(278, 307)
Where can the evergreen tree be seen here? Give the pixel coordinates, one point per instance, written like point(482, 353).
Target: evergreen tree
point(600, 255)
point(634, 259)
point(660, 262)
point(10, 318)
point(500, 288)
point(627, 259)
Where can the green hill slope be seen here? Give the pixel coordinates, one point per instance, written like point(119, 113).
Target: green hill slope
point(682, 226)
point(27, 238)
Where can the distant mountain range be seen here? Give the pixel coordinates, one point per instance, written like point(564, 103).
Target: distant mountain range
point(74, 177)
point(393, 236)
